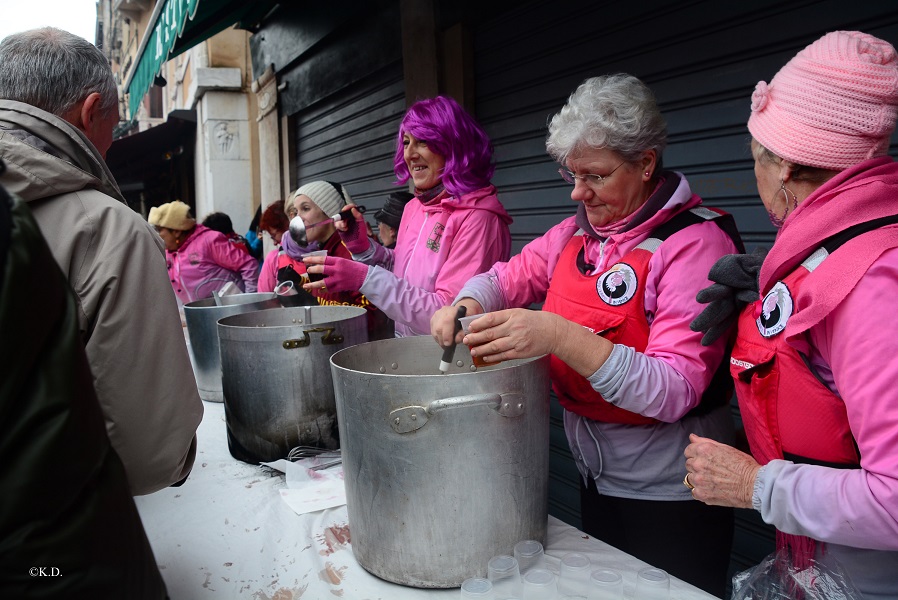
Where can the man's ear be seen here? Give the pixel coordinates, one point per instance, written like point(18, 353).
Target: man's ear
point(91, 113)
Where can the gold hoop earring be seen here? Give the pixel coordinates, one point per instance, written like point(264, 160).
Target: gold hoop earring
point(791, 202)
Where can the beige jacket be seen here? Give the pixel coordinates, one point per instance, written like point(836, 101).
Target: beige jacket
point(127, 313)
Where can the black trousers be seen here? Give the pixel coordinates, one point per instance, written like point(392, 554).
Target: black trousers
point(688, 539)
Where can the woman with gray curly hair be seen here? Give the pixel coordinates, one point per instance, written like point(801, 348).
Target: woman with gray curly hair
point(618, 280)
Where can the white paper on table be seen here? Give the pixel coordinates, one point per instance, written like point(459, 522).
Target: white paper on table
point(309, 491)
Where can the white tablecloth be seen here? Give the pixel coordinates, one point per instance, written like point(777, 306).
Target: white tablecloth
point(226, 533)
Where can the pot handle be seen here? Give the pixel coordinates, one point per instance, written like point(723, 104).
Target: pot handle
point(412, 418)
point(330, 338)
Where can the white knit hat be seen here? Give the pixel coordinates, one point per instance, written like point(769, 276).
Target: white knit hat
point(174, 215)
point(329, 197)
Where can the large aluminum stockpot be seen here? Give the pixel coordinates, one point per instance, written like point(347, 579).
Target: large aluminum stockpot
point(202, 327)
point(278, 391)
point(442, 472)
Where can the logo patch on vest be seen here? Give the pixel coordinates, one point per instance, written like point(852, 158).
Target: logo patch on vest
point(775, 310)
point(617, 285)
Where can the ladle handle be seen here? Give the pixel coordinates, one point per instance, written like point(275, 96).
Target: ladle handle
point(449, 351)
point(339, 216)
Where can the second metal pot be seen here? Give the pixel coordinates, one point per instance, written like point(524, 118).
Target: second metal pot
point(278, 391)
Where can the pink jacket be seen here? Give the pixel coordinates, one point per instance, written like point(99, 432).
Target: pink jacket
point(205, 262)
point(668, 379)
point(439, 247)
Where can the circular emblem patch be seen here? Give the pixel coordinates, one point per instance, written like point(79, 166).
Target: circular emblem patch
point(617, 285)
point(775, 310)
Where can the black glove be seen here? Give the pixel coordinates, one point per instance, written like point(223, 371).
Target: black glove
point(736, 284)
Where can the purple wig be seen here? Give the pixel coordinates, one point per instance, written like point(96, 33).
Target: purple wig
point(453, 134)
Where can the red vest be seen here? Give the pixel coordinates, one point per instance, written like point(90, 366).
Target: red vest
point(612, 304)
point(786, 410)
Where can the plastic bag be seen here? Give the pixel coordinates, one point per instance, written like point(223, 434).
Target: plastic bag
point(777, 578)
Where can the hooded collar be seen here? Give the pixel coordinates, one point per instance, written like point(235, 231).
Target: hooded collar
point(481, 199)
point(47, 156)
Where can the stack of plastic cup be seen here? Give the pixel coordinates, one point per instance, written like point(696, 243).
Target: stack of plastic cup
point(573, 576)
point(477, 587)
point(652, 584)
point(529, 554)
point(539, 584)
point(505, 576)
point(605, 584)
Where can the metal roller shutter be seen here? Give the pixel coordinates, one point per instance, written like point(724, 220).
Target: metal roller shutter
point(350, 137)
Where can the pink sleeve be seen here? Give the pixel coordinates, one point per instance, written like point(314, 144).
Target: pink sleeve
point(480, 242)
point(525, 278)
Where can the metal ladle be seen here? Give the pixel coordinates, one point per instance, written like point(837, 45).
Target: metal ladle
point(298, 227)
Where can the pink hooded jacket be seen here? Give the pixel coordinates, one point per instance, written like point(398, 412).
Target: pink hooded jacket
point(205, 262)
point(439, 247)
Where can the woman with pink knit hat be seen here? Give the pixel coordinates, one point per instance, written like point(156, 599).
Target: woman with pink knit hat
point(816, 352)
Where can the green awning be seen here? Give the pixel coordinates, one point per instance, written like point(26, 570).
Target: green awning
point(163, 33)
point(177, 26)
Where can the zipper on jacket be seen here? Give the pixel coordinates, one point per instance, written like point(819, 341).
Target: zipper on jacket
point(415, 247)
point(600, 264)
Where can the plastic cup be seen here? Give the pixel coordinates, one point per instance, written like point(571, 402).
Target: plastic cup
point(539, 584)
point(652, 584)
point(529, 555)
point(477, 587)
point(573, 576)
point(503, 571)
point(465, 321)
point(315, 276)
point(605, 584)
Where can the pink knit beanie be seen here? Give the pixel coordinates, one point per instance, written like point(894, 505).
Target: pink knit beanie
point(833, 105)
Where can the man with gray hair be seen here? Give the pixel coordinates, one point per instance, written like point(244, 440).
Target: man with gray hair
point(58, 107)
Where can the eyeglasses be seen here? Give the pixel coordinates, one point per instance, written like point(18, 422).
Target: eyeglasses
point(591, 179)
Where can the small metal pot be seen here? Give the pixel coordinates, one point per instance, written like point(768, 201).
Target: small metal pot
point(202, 327)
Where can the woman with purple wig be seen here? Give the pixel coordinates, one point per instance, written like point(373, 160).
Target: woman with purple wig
point(454, 228)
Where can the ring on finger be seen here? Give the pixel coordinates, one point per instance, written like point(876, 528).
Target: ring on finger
point(687, 484)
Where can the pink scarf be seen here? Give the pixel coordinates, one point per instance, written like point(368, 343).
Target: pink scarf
point(866, 191)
